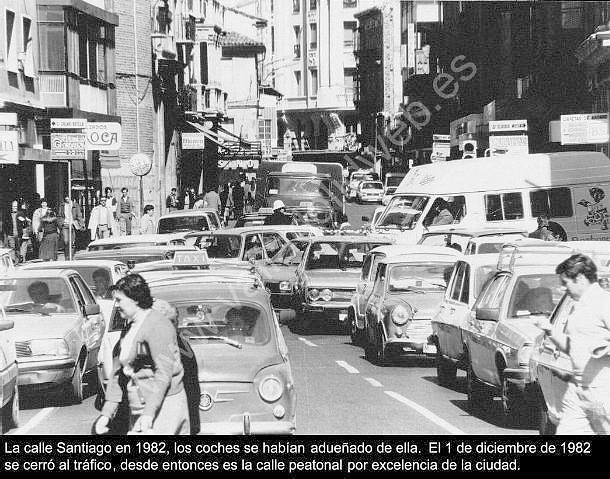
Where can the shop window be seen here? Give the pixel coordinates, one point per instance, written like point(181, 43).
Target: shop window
point(506, 206)
point(554, 203)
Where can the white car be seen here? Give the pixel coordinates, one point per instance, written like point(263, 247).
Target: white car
point(9, 392)
point(370, 191)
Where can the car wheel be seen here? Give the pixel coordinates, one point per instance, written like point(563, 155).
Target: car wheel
point(478, 394)
point(76, 385)
point(10, 412)
point(354, 333)
point(382, 356)
point(445, 370)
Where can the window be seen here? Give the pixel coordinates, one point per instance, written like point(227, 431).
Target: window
point(296, 6)
point(272, 39)
point(379, 279)
point(506, 206)
point(83, 62)
point(446, 210)
point(92, 38)
point(297, 78)
point(264, 129)
point(203, 60)
point(554, 203)
point(313, 4)
point(28, 60)
point(314, 82)
point(313, 36)
point(493, 294)
point(12, 64)
point(273, 243)
point(466, 287)
point(348, 34)
point(51, 46)
point(297, 41)
point(571, 15)
point(350, 3)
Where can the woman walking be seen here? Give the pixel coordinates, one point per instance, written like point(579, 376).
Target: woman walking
point(48, 232)
point(147, 369)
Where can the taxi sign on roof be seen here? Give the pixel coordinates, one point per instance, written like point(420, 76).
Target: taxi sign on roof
point(191, 259)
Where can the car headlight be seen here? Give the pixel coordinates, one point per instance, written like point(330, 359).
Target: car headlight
point(314, 294)
point(285, 286)
point(400, 315)
point(326, 294)
point(49, 347)
point(271, 389)
point(524, 354)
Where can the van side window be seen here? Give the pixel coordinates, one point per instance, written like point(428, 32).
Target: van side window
point(446, 211)
point(554, 203)
point(505, 206)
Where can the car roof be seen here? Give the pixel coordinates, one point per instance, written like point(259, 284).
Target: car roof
point(474, 232)
point(402, 249)
point(350, 239)
point(72, 264)
point(138, 238)
point(419, 258)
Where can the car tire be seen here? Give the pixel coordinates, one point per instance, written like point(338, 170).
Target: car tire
point(77, 388)
point(512, 407)
point(479, 396)
point(382, 355)
point(446, 371)
point(355, 334)
point(10, 412)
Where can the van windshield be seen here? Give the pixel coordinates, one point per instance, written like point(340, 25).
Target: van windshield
point(403, 212)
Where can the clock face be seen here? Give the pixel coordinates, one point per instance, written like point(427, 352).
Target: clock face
point(140, 164)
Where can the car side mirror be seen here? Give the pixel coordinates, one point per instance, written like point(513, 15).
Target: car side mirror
point(91, 309)
point(6, 325)
point(366, 219)
point(487, 314)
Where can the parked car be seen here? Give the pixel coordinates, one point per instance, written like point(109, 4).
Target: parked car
point(327, 277)
point(58, 328)
point(500, 335)
point(245, 375)
point(180, 221)
point(369, 191)
point(406, 293)
point(9, 391)
point(468, 278)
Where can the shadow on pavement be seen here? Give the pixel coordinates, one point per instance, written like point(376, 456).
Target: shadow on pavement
point(33, 398)
point(493, 415)
point(459, 386)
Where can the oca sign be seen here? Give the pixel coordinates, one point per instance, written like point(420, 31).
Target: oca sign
point(103, 136)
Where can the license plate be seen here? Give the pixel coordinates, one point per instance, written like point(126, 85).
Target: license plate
point(342, 317)
point(429, 349)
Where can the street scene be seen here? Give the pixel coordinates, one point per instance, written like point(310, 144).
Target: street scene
point(304, 217)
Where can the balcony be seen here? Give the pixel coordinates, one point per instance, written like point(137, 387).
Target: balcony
point(53, 89)
point(208, 99)
point(164, 46)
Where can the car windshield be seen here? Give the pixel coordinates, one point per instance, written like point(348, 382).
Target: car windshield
point(183, 223)
point(372, 185)
point(482, 274)
point(422, 276)
point(337, 255)
point(301, 186)
point(107, 246)
point(213, 220)
point(403, 212)
point(36, 295)
point(535, 295)
point(363, 176)
point(220, 246)
point(246, 324)
point(98, 278)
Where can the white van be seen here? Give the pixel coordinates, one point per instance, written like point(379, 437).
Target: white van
point(508, 191)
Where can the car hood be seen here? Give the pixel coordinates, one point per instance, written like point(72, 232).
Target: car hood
point(34, 326)
point(333, 278)
point(517, 331)
point(220, 362)
point(274, 273)
point(427, 304)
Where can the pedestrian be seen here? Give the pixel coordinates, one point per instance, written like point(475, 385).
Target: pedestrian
point(70, 216)
point(238, 199)
point(26, 231)
point(111, 201)
point(13, 231)
point(229, 205)
point(100, 221)
point(187, 200)
point(212, 200)
point(586, 340)
point(125, 212)
point(38, 214)
point(279, 217)
point(224, 196)
point(48, 233)
point(147, 370)
point(200, 203)
point(172, 201)
point(147, 223)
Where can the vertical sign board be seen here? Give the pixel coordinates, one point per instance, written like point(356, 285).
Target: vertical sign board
point(584, 129)
point(411, 45)
point(9, 147)
point(508, 137)
point(104, 136)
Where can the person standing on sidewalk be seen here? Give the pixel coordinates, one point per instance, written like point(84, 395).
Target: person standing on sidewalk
point(172, 203)
point(100, 221)
point(49, 236)
point(71, 216)
point(585, 407)
point(147, 222)
point(212, 200)
point(125, 212)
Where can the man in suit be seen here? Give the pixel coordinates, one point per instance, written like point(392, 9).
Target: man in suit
point(70, 215)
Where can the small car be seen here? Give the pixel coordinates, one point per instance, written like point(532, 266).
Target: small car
point(132, 241)
point(58, 328)
point(327, 278)
point(9, 391)
point(369, 191)
point(459, 237)
point(406, 293)
point(198, 219)
point(501, 332)
point(467, 280)
point(244, 374)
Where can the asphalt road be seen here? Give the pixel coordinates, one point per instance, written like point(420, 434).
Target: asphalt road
point(355, 212)
point(338, 393)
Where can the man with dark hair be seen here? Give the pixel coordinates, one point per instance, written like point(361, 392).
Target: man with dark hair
point(125, 212)
point(172, 201)
point(586, 339)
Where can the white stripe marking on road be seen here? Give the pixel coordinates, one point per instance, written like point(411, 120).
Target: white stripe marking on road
point(32, 423)
point(347, 367)
point(426, 413)
point(309, 343)
point(373, 382)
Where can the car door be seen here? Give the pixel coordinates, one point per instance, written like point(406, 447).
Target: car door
point(448, 325)
point(480, 333)
point(373, 305)
point(554, 366)
point(95, 323)
point(368, 285)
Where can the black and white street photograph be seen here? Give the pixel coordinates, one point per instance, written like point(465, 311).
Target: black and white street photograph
point(317, 218)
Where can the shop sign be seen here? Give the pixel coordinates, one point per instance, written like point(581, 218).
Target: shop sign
point(509, 145)
point(68, 123)
point(9, 147)
point(584, 129)
point(236, 164)
point(104, 136)
point(193, 141)
point(68, 146)
point(507, 125)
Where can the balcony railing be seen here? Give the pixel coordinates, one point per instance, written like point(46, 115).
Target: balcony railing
point(53, 89)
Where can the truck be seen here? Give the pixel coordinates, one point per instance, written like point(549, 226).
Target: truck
point(311, 191)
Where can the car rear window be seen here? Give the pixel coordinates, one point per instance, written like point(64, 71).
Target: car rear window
point(338, 256)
